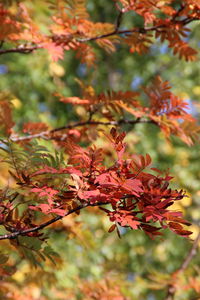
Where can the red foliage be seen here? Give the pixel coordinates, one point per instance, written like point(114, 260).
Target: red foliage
point(72, 28)
point(139, 199)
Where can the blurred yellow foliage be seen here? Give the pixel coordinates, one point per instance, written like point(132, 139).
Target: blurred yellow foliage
point(90, 90)
point(4, 175)
point(140, 250)
point(195, 213)
point(196, 90)
point(80, 110)
point(56, 70)
point(160, 251)
point(183, 95)
point(165, 147)
point(185, 202)
point(182, 157)
point(195, 231)
point(17, 103)
point(21, 273)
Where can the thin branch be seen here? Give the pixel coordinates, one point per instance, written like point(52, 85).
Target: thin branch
point(15, 234)
point(191, 254)
point(178, 12)
point(118, 21)
point(142, 30)
point(122, 32)
point(22, 50)
point(48, 134)
point(171, 291)
point(189, 20)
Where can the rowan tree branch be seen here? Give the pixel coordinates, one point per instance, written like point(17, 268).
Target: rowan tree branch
point(15, 234)
point(171, 290)
point(26, 50)
point(23, 49)
point(48, 134)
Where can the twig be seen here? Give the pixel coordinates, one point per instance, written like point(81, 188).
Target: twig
point(15, 234)
point(193, 251)
point(118, 21)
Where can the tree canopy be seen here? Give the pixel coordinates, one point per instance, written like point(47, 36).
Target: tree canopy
point(99, 147)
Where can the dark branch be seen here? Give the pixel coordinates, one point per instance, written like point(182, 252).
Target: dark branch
point(122, 32)
point(178, 12)
point(49, 133)
point(22, 50)
point(15, 234)
point(118, 21)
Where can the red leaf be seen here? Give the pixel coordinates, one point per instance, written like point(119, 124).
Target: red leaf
point(133, 185)
point(45, 191)
point(33, 128)
point(54, 50)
